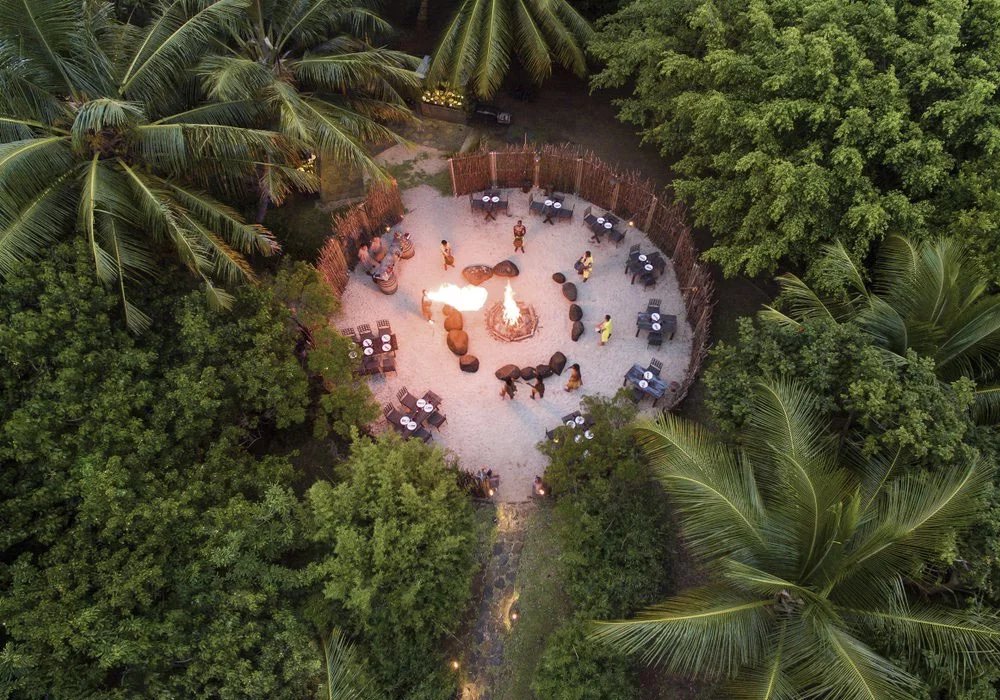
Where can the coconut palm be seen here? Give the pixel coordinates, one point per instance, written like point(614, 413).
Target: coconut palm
point(477, 45)
point(807, 551)
point(928, 297)
point(308, 65)
point(101, 133)
point(343, 670)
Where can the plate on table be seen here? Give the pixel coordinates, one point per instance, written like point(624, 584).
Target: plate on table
point(655, 316)
point(367, 342)
point(557, 205)
point(548, 202)
point(577, 438)
point(386, 338)
point(369, 351)
point(648, 267)
point(642, 258)
point(421, 403)
point(571, 424)
point(643, 383)
point(386, 347)
point(495, 199)
point(647, 375)
point(486, 198)
point(404, 421)
point(412, 425)
point(353, 355)
point(600, 219)
point(607, 224)
point(428, 408)
point(589, 434)
point(656, 326)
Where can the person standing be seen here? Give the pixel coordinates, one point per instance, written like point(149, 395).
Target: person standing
point(585, 265)
point(446, 253)
point(538, 387)
point(425, 305)
point(605, 329)
point(508, 389)
point(575, 378)
point(519, 231)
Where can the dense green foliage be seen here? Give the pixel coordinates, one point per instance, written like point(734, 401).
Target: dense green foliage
point(403, 538)
point(794, 123)
point(808, 548)
point(576, 668)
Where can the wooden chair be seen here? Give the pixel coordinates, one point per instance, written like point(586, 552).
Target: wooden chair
point(407, 399)
point(349, 333)
point(392, 415)
point(422, 434)
point(655, 366)
point(653, 306)
point(655, 339)
point(633, 254)
point(648, 280)
point(437, 419)
point(387, 364)
point(433, 398)
point(383, 326)
point(588, 216)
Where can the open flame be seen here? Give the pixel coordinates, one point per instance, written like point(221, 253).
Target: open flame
point(511, 314)
point(461, 298)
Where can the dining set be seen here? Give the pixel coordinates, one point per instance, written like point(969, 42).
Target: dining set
point(606, 224)
point(489, 202)
point(550, 207)
point(375, 351)
point(579, 425)
point(658, 324)
point(416, 414)
point(646, 267)
point(646, 381)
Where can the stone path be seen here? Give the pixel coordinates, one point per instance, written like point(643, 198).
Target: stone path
point(485, 640)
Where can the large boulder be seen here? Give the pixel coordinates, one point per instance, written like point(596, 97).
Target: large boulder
point(468, 363)
point(453, 322)
point(506, 269)
point(511, 371)
point(557, 362)
point(569, 291)
point(543, 371)
point(577, 330)
point(458, 342)
point(558, 278)
point(528, 373)
point(477, 274)
point(575, 312)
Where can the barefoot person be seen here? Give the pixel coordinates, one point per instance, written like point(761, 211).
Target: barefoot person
point(449, 259)
point(425, 306)
point(575, 378)
point(519, 231)
point(605, 329)
point(584, 265)
point(508, 389)
point(538, 388)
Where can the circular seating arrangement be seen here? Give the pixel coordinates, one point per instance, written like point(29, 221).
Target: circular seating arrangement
point(468, 363)
point(543, 371)
point(527, 373)
point(559, 278)
point(477, 274)
point(458, 342)
point(508, 372)
point(577, 331)
point(575, 312)
point(569, 291)
point(506, 269)
point(454, 322)
point(558, 362)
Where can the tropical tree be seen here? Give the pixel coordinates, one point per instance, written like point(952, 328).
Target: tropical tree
point(809, 553)
point(929, 297)
point(477, 45)
point(309, 66)
point(99, 134)
point(344, 672)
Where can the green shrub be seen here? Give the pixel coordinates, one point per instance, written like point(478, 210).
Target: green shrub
point(574, 668)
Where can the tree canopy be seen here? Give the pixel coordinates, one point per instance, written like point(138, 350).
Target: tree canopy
point(796, 123)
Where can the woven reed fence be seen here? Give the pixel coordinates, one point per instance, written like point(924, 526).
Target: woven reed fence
point(355, 228)
point(630, 196)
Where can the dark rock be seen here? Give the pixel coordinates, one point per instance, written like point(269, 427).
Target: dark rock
point(543, 371)
point(453, 322)
point(506, 269)
point(569, 291)
point(511, 371)
point(458, 342)
point(558, 362)
point(558, 278)
point(468, 363)
point(477, 274)
point(577, 330)
point(527, 373)
point(575, 312)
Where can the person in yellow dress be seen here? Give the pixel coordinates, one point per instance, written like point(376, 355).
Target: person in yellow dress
point(585, 265)
point(605, 329)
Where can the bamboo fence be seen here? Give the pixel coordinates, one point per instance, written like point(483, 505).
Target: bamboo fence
point(356, 227)
point(566, 168)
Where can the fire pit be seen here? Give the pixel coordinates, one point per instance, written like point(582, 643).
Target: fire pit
point(510, 320)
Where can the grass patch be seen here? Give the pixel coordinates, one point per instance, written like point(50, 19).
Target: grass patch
point(543, 606)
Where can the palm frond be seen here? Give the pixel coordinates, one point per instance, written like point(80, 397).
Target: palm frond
point(44, 32)
point(565, 45)
point(29, 231)
point(344, 673)
point(531, 45)
point(986, 409)
point(495, 48)
point(233, 78)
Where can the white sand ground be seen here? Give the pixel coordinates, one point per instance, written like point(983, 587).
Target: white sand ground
point(482, 429)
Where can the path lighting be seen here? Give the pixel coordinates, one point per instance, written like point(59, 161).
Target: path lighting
point(454, 665)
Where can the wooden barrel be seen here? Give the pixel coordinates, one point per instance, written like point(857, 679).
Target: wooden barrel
point(388, 286)
point(407, 251)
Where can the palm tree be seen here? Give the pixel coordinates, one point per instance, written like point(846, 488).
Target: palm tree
point(808, 554)
point(344, 673)
point(928, 297)
point(476, 46)
point(307, 65)
point(101, 133)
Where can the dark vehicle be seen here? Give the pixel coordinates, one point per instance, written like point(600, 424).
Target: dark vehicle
point(490, 114)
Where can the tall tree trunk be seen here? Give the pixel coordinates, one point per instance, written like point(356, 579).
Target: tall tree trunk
point(422, 15)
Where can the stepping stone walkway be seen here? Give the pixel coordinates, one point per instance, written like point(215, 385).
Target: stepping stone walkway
point(484, 642)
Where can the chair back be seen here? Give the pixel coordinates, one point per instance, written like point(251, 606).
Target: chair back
point(383, 324)
point(653, 306)
point(586, 212)
point(348, 333)
point(388, 410)
point(655, 366)
point(365, 329)
point(401, 393)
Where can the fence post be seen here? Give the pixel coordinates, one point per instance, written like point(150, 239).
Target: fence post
point(451, 169)
point(614, 193)
point(493, 168)
point(536, 179)
point(579, 176)
point(649, 216)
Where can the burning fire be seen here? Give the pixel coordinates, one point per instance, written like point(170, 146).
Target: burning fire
point(461, 298)
point(511, 314)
